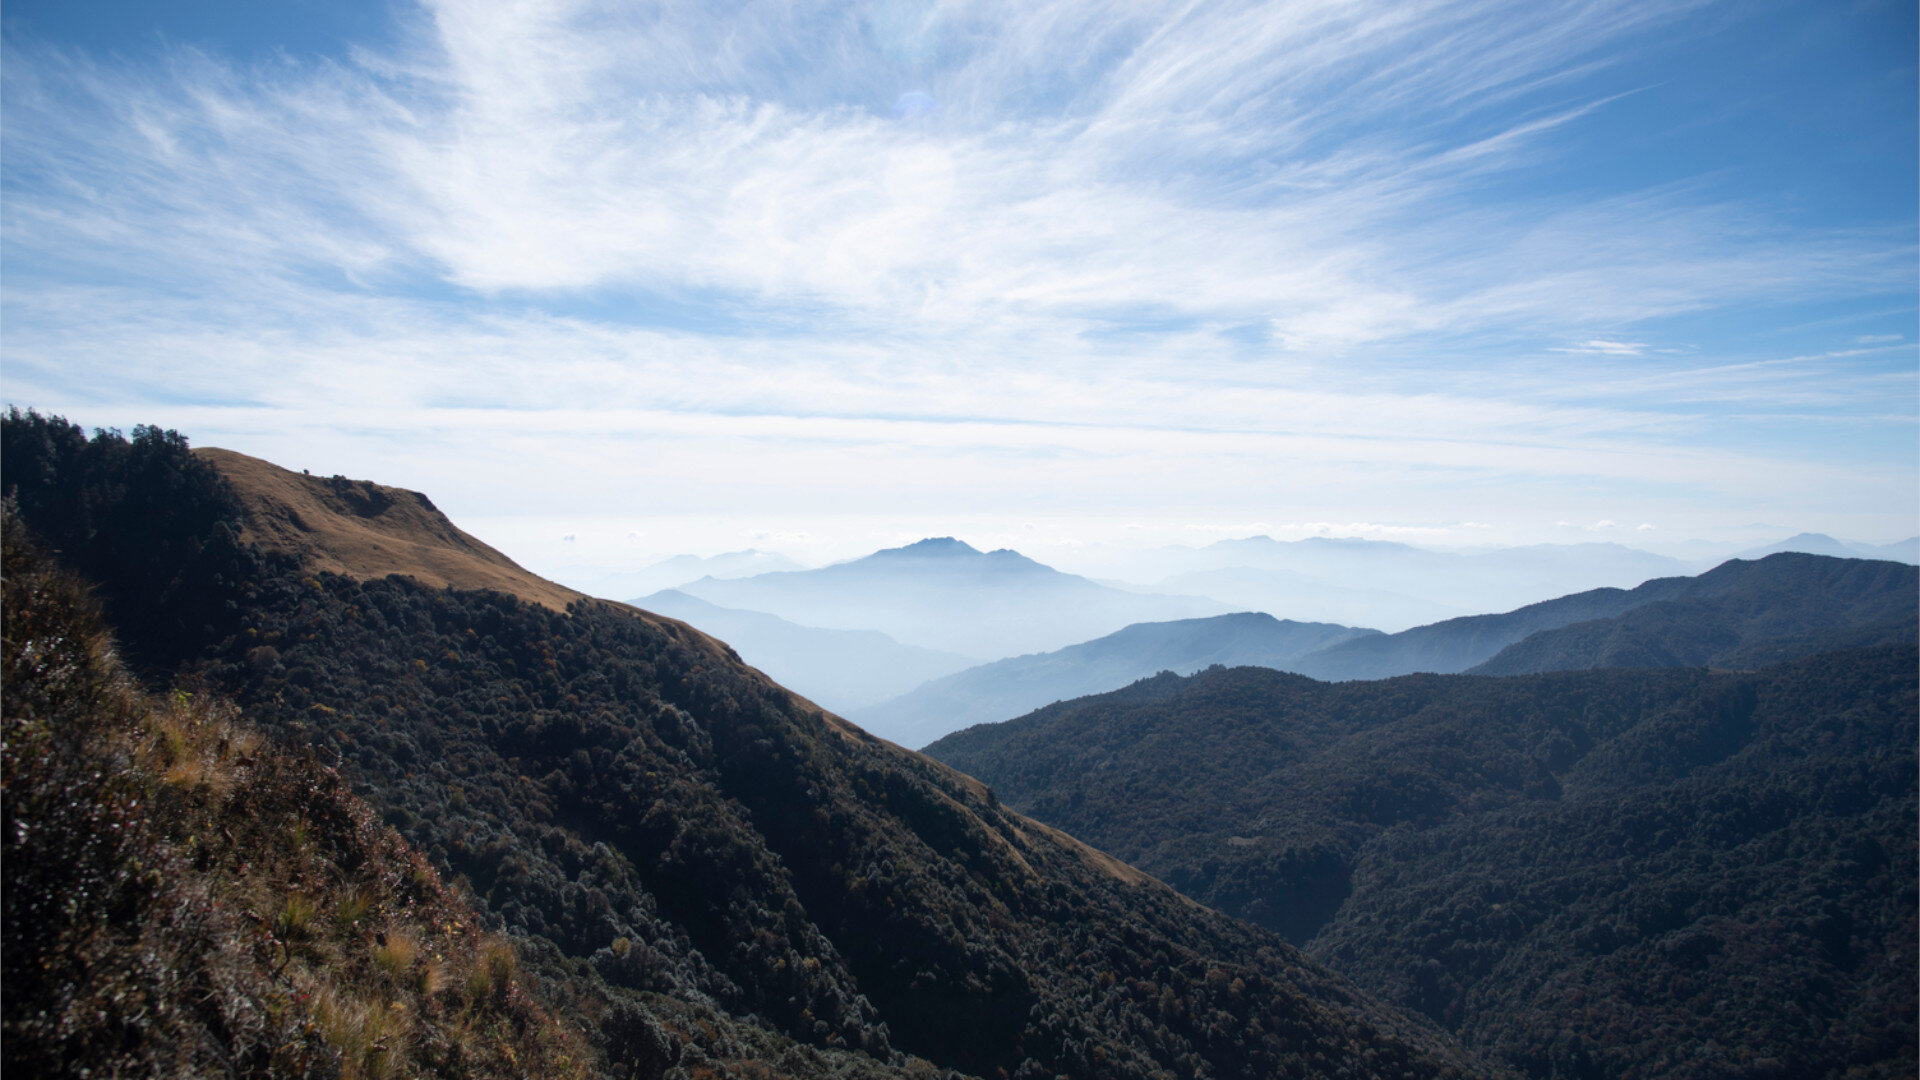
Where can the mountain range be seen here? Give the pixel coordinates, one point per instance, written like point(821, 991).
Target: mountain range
point(1016, 685)
point(943, 594)
point(691, 870)
point(1750, 605)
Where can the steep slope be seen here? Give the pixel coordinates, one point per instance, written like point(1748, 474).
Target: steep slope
point(842, 670)
point(182, 900)
point(665, 828)
point(943, 594)
point(1789, 586)
point(1742, 615)
point(1604, 874)
point(1008, 688)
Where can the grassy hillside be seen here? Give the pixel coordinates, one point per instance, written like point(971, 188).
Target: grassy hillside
point(658, 826)
point(183, 899)
point(1610, 874)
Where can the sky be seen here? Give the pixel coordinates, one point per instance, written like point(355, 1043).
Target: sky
point(615, 281)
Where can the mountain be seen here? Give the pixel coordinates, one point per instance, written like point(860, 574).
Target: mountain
point(943, 594)
point(1741, 615)
point(1458, 644)
point(711, 874)
point(1770, 598)
point(839, 669)
point(1906, 551)
point(1600, 874)
point(1008, 688)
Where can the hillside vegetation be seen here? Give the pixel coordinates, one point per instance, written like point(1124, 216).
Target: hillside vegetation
point(1597, 874)
point(657, 826)
point(184, 900)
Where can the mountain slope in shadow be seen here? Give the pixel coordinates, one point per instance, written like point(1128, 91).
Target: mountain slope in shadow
point(661, 827)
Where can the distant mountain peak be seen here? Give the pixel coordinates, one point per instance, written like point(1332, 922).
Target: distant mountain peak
point(932, 546)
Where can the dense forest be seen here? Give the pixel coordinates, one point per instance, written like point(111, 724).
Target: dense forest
point(1607, 874)
point(658, 829)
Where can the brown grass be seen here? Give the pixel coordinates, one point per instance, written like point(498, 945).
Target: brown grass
point(364, 530)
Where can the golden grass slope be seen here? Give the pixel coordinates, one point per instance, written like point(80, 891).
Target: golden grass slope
point(360, 529)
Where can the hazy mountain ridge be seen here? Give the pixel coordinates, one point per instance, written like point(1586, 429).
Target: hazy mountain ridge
point(943, 594)
point(1007, 688)
point(842, 670)
point(1741, 614)
point(648, 816)
point(1680, 873)
point(1458, 645)
point(1906, 551)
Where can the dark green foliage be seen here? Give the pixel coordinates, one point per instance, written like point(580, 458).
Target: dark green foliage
point(598, 778)
point(156, 528)
point(1609, 873)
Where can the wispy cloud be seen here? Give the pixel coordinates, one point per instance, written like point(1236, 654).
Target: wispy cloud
point(1129, 242)
point(1603, 347)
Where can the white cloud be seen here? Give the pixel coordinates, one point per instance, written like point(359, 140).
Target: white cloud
point(1603, 347)
point(709, 260)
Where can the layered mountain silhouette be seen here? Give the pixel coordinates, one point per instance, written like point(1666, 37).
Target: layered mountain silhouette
point(1740, 613)
point(1906, 551)
point(1604, 874)
point(842, 670)
point(944, 594)
point(1008, 688)
point(705, 871)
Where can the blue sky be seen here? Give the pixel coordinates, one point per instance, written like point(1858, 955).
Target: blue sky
point(820, 277)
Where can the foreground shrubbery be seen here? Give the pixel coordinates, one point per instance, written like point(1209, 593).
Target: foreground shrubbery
point(180, 899)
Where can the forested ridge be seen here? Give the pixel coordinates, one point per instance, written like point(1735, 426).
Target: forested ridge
point(1740, 614)
point(1608, 873)
point(659, 829)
